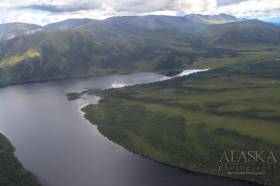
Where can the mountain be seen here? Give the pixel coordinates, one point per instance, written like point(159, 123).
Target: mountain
point(275, 21)
point(154, 23)
point(10, 30)
point(58, 54)
point(247, 32)
point(212, 19)
point(150, 21)
point(133, 27)
point(51, 55)
point(75, 48)
point(160, 28)
point(68, 24)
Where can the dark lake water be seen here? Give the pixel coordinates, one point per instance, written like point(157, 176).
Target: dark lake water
point(58, 145)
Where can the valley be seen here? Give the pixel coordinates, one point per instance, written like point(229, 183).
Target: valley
point(185, 122)
point(122, 45)
point(55, 142)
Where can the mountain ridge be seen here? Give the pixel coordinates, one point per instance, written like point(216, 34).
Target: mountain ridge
point(128, 44)
point(10, 30)
point(248, 31)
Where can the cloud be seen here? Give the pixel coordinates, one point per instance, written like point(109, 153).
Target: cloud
point(47, 11)
point(260, 9)
point(51, 8)
point(228, 2)
point(67, 7)
point(136, 6)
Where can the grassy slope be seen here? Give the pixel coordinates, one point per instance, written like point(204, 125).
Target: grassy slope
point(11, 171)
point(189, 122)
point(133, 44)
point(244, 55)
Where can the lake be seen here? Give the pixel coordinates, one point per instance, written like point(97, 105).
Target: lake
point(61, 148)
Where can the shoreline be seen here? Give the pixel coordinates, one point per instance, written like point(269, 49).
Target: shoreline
point(4, 85)
point(166, 164)
point(179, 75)
point(10, 175)
point(132, 147)
point(91, 91)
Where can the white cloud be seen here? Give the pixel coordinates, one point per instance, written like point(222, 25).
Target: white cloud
point(254, 9)
point(228, 2)
point(46, 11)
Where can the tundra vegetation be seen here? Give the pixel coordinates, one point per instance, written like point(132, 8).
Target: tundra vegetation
point(191, 121)
point(187, 122)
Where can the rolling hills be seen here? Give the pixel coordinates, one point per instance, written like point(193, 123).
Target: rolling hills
point(244, 32)
point(236, 104)
point(86, 47)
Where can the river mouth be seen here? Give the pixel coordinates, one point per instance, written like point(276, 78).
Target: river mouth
point(58, 145)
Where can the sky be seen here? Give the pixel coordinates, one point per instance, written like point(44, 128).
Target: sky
point(47, 11)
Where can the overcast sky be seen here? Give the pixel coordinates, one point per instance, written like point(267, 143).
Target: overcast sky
point(47, 11)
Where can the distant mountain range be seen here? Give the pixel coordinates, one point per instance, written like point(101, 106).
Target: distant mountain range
point(245, 32)
point(10, 30)
point(212, 19)
point(274, 20)
point(85, 47)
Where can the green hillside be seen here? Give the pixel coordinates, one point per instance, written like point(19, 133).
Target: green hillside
point(189, 122)
point(77, 48)
point(11, 171)
point(245, 32)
